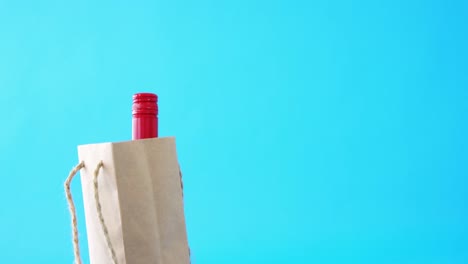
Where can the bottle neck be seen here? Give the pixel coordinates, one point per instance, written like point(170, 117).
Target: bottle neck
point(145, 116)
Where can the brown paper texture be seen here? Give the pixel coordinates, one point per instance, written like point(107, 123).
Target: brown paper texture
point(141, 198)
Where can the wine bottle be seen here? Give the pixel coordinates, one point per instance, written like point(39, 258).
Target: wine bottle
point(144, 116)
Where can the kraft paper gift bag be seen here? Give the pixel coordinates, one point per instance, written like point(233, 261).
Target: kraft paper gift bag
point(132, 193)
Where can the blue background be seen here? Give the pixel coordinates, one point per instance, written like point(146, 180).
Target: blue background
point(308, 131)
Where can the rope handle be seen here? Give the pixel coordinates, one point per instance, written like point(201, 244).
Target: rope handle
point(71, 207)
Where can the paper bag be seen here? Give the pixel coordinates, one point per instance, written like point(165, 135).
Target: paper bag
point(141, 202)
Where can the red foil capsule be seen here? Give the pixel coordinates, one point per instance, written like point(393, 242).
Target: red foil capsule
point(145, 116)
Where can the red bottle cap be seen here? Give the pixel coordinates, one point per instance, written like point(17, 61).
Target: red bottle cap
point(145, 116)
